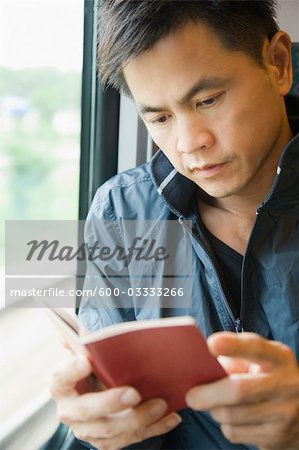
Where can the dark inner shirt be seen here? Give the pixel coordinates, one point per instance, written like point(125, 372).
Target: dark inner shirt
point(230, 263)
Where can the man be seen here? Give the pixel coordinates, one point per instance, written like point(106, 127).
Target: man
point(209, 80)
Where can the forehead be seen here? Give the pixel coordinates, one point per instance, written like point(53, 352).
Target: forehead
point(178, 61)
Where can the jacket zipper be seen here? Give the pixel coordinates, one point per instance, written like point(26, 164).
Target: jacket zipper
point(245, 258)
point(237, 323)
point(259, 209)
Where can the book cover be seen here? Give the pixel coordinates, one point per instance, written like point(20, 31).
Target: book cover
point(160, 358)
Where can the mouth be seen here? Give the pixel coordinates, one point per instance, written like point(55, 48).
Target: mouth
point(208, 170)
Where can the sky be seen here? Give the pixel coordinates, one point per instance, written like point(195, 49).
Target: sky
point(41, 33)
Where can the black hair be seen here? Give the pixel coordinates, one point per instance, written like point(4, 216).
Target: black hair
point(127, 28)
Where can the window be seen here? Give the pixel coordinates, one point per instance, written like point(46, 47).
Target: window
point(41, 46)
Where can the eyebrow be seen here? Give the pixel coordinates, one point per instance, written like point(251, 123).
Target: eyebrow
point(200, 85)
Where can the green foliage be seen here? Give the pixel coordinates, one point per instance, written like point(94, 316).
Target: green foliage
point(47, 90)
point(39, 164)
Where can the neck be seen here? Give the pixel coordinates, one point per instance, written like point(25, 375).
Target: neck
point(243, 206)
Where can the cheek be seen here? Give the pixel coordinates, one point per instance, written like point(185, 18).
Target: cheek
point(249, 112)
point(238, 129)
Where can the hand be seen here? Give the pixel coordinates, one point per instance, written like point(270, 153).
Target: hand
point(258, 403)
point(109, 419)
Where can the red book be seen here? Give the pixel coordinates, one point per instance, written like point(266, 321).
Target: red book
point(161, 358)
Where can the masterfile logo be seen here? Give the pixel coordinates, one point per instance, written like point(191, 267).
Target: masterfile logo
point(124, 263)
point(140, 249)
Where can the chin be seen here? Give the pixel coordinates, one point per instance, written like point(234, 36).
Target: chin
point(221, 192)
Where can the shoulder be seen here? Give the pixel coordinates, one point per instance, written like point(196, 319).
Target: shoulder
point(128, 195)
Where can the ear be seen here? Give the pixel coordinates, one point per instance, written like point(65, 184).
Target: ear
point(280, 60)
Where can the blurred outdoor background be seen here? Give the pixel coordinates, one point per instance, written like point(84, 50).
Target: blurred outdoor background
point(41, 44)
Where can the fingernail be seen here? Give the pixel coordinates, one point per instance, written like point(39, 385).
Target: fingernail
point(130, 397)
point(158, 408)
point(173, 421)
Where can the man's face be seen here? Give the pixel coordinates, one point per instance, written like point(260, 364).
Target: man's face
point(215, 113)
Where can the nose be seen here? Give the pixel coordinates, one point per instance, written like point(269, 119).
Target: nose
point(193, 134)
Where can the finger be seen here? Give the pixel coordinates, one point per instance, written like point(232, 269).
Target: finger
point(253, 414)
point(93, 406)
point(157, 429)
point(235, 389)
point(252, 347)
point(266, 435)
point(164, 425)
point(242, 389)
point(124, 422)
point(247, 434)
point(67, 375)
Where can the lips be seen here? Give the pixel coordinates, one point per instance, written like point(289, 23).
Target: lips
point(208, 166)
point(207, 170)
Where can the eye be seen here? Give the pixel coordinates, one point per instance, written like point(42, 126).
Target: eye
point(206, 103)
point(160, 120)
